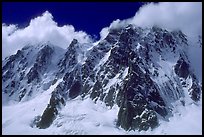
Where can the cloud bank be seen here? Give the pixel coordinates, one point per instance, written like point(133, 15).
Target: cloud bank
point(40, 29)
point(185, 16)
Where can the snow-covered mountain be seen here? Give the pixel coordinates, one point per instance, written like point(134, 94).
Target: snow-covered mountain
point(134, 72)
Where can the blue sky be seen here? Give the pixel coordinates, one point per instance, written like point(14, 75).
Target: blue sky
point(90, 17)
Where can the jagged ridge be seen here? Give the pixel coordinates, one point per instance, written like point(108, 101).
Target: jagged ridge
point(140, 70)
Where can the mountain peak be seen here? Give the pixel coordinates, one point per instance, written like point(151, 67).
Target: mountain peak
point(140, 70)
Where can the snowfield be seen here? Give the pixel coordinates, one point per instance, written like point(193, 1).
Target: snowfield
point(86, 117)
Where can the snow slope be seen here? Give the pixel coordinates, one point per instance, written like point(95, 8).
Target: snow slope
point(91, 118)
point(21, 114)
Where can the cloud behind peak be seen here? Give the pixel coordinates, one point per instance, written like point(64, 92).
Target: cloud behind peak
point(40, 29)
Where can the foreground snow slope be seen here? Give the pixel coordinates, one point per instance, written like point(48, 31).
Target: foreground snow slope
point(91, 118)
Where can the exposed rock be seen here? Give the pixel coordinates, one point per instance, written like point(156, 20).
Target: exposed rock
point(140, 70)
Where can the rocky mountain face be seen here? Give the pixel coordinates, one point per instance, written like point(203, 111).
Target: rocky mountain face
point(141, 70)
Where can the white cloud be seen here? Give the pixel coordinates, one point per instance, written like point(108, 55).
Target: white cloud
point(40, 29)
point(104, 32)
point(186, 16)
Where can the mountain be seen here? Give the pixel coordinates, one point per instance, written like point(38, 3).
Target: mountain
point(140, 70)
